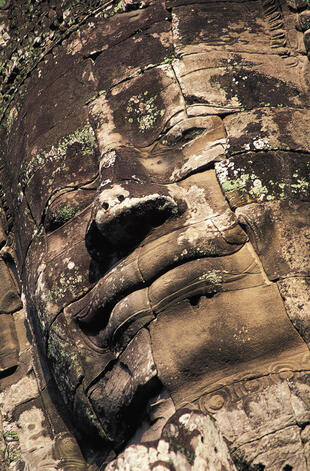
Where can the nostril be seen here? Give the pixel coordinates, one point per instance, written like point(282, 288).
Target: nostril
point(118, 228)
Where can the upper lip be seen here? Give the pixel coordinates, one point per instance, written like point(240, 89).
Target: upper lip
point(146, 264)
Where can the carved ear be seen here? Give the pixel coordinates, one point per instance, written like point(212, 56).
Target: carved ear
point(9, 302)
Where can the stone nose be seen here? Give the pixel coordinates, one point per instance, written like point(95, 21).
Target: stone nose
point(123, 214)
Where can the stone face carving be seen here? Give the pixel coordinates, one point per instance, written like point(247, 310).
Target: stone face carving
point(158, 174)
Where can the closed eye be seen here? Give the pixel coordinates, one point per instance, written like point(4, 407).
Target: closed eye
point(57, 217)
point(65, 207)
point(181, 138)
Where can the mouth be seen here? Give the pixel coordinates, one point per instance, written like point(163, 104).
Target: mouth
point(173, 267)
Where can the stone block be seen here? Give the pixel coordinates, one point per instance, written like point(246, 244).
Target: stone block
point(9, 297)
point(9, 347)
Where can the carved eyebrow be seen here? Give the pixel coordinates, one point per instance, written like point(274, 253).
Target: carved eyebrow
point(65, 190)
point(68, 189)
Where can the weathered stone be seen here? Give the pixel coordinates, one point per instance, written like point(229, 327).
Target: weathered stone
point(187, 443)
point(279, 232)
point(2, 232)
point(307, 40)
point(36, 446)
point(260, 422)
point(202, 25)
point(230, 82)
point(130, 383)
point(281, 450)
point(9, 297)
point(68, 453)
point(138, 109)
point(9, 347)
point(295, 294)
point(304, 20)
point(23, 391)
point(101, 33)
point(155, 172)
point(267, 129)
point(24, 220)
point(41, 178)
point(226, 351)
point(64, 362)
point(124, 59)
point(245, 179)
point(297, 3)
point(300, 397)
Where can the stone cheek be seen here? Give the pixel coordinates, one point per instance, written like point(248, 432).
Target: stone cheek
point(295, 293)
point(264, 177)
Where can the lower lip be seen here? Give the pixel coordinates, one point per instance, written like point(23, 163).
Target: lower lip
point(200, 277)
point(195, 278)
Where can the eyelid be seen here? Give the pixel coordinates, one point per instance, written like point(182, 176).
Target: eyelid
point(63, 209)
point(189, 129)
point(198, 122)
point(59, 216)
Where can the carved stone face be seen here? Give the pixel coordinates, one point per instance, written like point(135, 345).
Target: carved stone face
point(141, 276)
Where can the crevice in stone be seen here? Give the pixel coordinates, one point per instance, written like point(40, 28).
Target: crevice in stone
point(180, 88)
point(126, 368)
point(287, 467)
point(266, 434)
point(94, 55)
point(8, 372)
point(243, 465)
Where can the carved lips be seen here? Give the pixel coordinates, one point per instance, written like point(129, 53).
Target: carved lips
point(167, 269)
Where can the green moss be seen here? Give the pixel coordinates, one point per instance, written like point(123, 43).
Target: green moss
point(142, 110)
point(212, 277)
point(64, 214)
point(267, 190)
point(237, 184)
point(12, 435)
point(302, 185)
point(10, 118)
point(85, 137)
point(257, 189)
point(69, 282)
point(116, 9)
point(168, 59)
point(11, 452)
